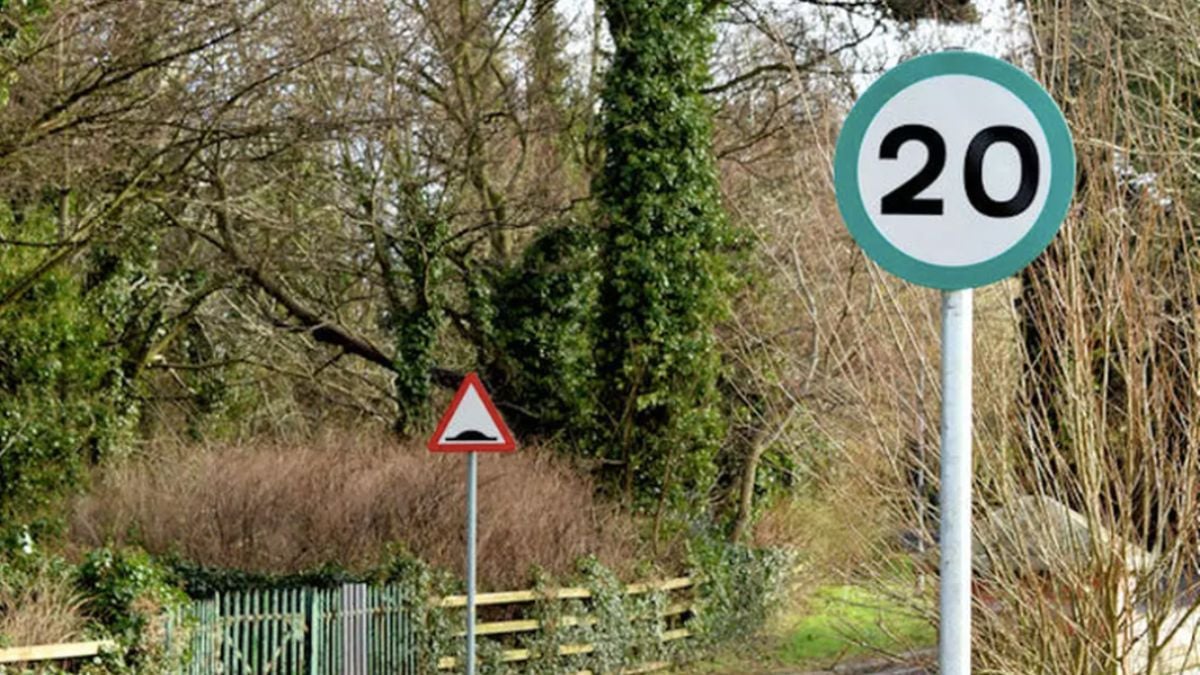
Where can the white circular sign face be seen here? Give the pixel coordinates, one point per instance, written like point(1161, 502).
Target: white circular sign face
point(958, 107)
point(954, 170)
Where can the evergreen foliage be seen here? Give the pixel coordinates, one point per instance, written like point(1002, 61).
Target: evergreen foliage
point(127, 591)
point(543, 333)
point(662, 255)
point(416, 324)
point(64, 398)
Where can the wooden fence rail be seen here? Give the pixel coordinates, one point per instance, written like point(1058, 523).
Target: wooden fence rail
point(517, 597)
point(59, 652)
point(511, 627)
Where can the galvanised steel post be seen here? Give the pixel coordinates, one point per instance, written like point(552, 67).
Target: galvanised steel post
point(472, 470)
point(954, 626)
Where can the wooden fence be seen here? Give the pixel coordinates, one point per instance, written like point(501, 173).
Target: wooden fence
point(671, 620)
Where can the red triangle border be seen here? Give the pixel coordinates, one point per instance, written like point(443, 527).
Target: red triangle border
point(508, 443)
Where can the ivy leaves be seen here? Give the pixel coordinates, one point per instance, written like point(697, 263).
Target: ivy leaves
point(664, 243)
point(63, 396)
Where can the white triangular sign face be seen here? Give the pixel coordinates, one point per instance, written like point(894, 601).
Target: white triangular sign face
point(471, 423)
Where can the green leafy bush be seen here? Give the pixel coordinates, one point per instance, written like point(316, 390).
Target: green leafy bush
point(201, 581)
point(736, 590)
point(63, 396)
point(544, 307)
point(742, 586)
point(130, 595)
point(436, 627)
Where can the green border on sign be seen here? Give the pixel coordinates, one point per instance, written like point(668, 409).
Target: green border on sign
point(1062, 170)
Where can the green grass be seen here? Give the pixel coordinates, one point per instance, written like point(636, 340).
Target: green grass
point(841, 622)
point(834, 624)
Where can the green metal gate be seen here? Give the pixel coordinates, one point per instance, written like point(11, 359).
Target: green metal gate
point(351, 630)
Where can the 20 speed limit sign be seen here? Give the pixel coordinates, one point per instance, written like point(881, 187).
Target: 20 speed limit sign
point(954, 170)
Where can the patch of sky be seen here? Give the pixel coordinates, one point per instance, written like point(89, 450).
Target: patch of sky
point(874, 44)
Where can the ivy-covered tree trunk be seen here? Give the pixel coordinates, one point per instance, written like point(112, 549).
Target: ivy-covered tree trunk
point(415, 318)
point(663, 238)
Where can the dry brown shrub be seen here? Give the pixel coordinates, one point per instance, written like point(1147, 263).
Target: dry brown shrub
point(43, 608)
point(283, 507)
point(1111, 402)
point(839, 357)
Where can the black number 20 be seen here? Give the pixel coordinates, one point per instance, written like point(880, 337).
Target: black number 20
point(903, 200)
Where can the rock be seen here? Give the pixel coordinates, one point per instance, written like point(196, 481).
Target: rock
point(1041, 534)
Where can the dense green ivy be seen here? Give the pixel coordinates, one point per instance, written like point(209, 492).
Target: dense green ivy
point(200, 581)
point(416, 334)
point(663, 256)
point(416, 326)
point(64, 398)
point(541, 330)
point(737, 589)
point(127, 591)
point(742, 586)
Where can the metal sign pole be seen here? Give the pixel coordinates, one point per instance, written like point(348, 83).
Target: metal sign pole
point(471, 424)
point(954, 628)
point(914, 230)
point(472, 470)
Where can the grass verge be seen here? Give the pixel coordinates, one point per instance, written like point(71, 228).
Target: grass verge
point(844, 622)
point(835, 624)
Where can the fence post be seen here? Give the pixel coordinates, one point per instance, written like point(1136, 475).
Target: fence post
point(353, 628)
point(312, 620)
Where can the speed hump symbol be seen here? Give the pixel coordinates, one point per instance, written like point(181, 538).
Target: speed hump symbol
point(954, 170)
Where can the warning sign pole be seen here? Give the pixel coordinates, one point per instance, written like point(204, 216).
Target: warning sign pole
point(472, 472)
point(472, 424)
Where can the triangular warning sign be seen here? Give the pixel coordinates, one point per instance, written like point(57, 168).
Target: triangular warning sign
point(472, 423)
